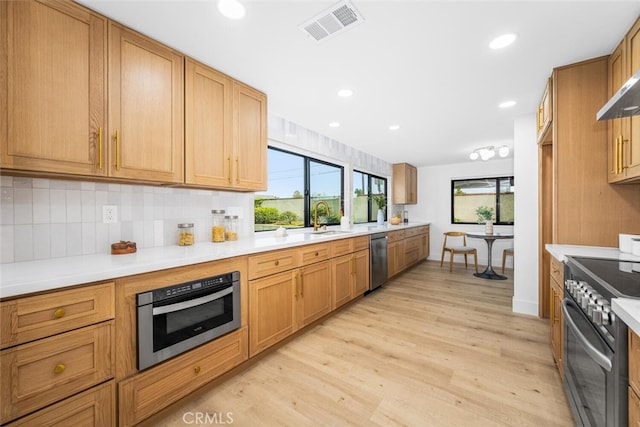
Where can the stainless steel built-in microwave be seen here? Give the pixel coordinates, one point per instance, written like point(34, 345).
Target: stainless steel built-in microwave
point(177, 318)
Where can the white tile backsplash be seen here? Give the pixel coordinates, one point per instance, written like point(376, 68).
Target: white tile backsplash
point(50, 218)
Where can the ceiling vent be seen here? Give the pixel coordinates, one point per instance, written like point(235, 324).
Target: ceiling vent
point(338, 18)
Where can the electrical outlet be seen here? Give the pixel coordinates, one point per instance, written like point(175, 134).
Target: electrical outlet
point(109, 214)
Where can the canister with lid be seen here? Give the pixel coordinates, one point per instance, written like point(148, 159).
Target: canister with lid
point(185, 234)
point(217, 227)
point(231, 226)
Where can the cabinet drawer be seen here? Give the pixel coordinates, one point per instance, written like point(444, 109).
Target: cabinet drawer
point(272, 262)
point(413, 231)
point(94, 407)
point(557, 271)
point(314, 253)
point(411, 244)
point(37, 374)
point(423, 229)
point(341, 247)
point(360, 243)
point(148, 392)
point(30, 318)
point(395, 236)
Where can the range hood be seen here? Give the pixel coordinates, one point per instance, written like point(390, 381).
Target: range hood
point(625, 103)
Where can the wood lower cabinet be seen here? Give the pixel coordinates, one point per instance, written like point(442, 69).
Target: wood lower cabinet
point(405, 184)
point(145, 394)
point(281, 304)
point(46, 371)
point(634, 379)
point(406, 247)
point(53, 92)
point(54, 346)
point(146, 108)
point(349, 277)
point(94, 407)
point(556, 321)
point(313, 293)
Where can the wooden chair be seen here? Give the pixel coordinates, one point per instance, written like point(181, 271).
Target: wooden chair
point(458, 249)
point(507, 252)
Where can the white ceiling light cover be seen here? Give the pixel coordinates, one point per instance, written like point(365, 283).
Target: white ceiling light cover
point(337, 18)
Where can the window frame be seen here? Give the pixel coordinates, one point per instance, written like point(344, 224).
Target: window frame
point(497, 202)
point(372, 212)
point(307, 208)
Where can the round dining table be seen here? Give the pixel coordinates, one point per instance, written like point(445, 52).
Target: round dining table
point(489, 273)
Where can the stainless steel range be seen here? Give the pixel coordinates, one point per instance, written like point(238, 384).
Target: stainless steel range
point(595, 341)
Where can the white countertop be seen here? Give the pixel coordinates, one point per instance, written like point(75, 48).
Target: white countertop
point(35, 276)
point(627, 309)
point(560, 252)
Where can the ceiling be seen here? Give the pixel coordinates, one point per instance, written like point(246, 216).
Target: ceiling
point(423, 65)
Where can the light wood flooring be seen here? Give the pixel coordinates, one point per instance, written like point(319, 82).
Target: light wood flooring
point(430, 348)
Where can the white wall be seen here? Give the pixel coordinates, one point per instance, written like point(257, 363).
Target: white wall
point(525, 290)
point(434, 205)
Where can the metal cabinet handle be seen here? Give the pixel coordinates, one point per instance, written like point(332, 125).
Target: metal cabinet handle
point(229, 161)
point(59, 368)
point(117, 151)
point(100, 148)
point(277, 262)
point(59, 313)
point(237, 170)
point(196, 370)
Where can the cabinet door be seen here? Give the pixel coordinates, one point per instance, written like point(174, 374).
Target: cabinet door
point(249, 162)
point(313, 292)
point(634, 360)
point(556, 323)
point(392, 259)
point(405, 184)
point(361, 272)
point(341, 277)
point(271, 310)
point(634, 409)
point(208, 125)
point(53, 92)
point(544, 110)
point(633, 65)
point(616, 127)
point(146, 108)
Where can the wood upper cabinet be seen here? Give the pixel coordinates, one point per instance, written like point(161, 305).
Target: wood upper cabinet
point(249, 155)
point(544, 114)
point(225, 128)
point(624, 133)
point(53, 92)
point(208, 125)
point(146, 108)
point(405, 184)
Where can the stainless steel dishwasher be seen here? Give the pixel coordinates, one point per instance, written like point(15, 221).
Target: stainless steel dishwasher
point(377, 260)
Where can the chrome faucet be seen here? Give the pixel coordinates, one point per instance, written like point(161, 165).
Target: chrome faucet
point(315, 214)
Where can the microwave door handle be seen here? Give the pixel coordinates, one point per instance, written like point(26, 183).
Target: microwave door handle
point(601, 359)
point(191, 303)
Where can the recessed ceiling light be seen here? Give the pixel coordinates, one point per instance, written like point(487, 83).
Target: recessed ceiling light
point(503, 41)
point(394, 127)
point(345, 93)
point(507, 104)
point(334, 124)
point(231, 9)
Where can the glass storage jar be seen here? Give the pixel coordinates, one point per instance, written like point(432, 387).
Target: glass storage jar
point(185, 234)
point(231, 225)
point(217, 227)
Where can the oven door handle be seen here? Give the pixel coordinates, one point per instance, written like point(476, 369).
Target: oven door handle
point(600, 358)
point(191, 303)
